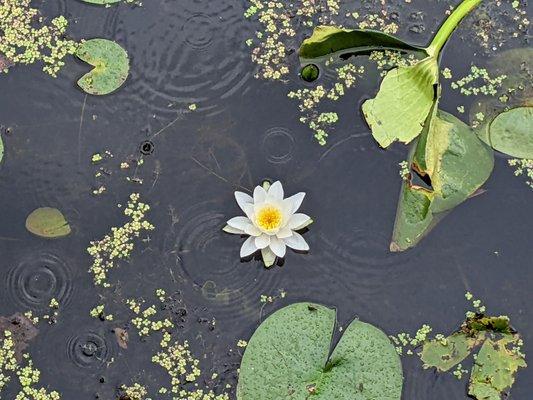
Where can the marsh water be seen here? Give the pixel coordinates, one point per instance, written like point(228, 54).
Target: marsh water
point(244, 130)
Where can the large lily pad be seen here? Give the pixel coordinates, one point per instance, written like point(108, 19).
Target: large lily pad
point(331, 39)
point(47, 222)
point(111, 66)
point(288, 357)
point(494, 368)
point(403, 103)
point(511, 132)
point(454, 161)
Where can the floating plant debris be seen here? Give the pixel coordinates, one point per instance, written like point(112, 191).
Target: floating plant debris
point(111, 66)
point(47, 222)
point(289, 356)
point(310, 73)
point(271, 222)
point(496, 363)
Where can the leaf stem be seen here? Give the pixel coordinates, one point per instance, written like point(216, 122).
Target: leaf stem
point(449, 26)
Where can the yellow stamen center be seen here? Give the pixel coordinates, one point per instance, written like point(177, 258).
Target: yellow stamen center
point(269, 218)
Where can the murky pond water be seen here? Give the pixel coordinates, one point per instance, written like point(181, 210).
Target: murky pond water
point(244, 130)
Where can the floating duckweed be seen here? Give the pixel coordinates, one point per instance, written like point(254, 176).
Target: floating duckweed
point(523, 167)
point(119, 244)
point(310, 73)
point(447, 73)
point(145, 321)
point(486, 84)
point(26, 39)
point(242, 343)
point(183, 370)
point(27, 375)
point(404, 170)
point(134, 392)
point(99, 312)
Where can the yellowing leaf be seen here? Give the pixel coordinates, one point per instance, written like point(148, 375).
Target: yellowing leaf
point(47, 222)
point(403, 103)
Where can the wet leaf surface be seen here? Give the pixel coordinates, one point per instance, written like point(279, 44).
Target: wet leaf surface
point(111, 66)
point(456, 163)
point(287, 357)
point(47, 222)
point(511, 132)
point(327, 40)
point(447, 353)
point(495, 367)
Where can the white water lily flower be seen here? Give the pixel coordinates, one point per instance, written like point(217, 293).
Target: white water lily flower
point(271, 222)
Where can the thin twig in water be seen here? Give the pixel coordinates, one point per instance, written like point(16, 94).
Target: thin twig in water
point(357, 135)
point(180, 115)
point(81, 125)
point(219, 176)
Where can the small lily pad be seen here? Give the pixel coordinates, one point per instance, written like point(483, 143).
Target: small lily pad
point(111, 66)
point(47, 222)
point(511, 132)
point(289, 357)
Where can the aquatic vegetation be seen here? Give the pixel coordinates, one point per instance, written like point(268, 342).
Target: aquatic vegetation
point(271, 222)
point(523, 167)
point(119, 244)
point(111, 66)
point(488, 85)
point(47, 222)
point(511, 132)
point(496, 363)
point(25, 38)
point(445, 150)
point(15, 333)
point(289, 355)
point(145, 320)
point(133, 392)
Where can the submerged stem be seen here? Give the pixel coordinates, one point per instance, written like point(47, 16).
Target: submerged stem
point(449, 26)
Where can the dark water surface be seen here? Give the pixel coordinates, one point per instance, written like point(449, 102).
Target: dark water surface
point(245, 130)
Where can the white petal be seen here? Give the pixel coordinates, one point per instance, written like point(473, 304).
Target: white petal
point(262, 241)
point(242, 199)
point(260, 195)
point(252, 230)
point(249, 210)
point(296, 201)
point(296, 242)
point(278, 247)
point(269, 258)
point(230, 229)
point(297, 220)
point(276, 191)
point(248, 247)
point(284, 232)
point(239, 222)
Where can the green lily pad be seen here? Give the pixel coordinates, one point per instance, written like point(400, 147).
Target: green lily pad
point(455, 162)
point(511, 132)
point(327, 40)
point(446, 354)
point(403, 103)
point(495, 367)
point(47, 222)
point(289, 357)
point(111, 66)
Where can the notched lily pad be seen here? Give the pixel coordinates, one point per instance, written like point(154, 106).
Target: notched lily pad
point(289, 357)
point(47, 222)
point(111, 66)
